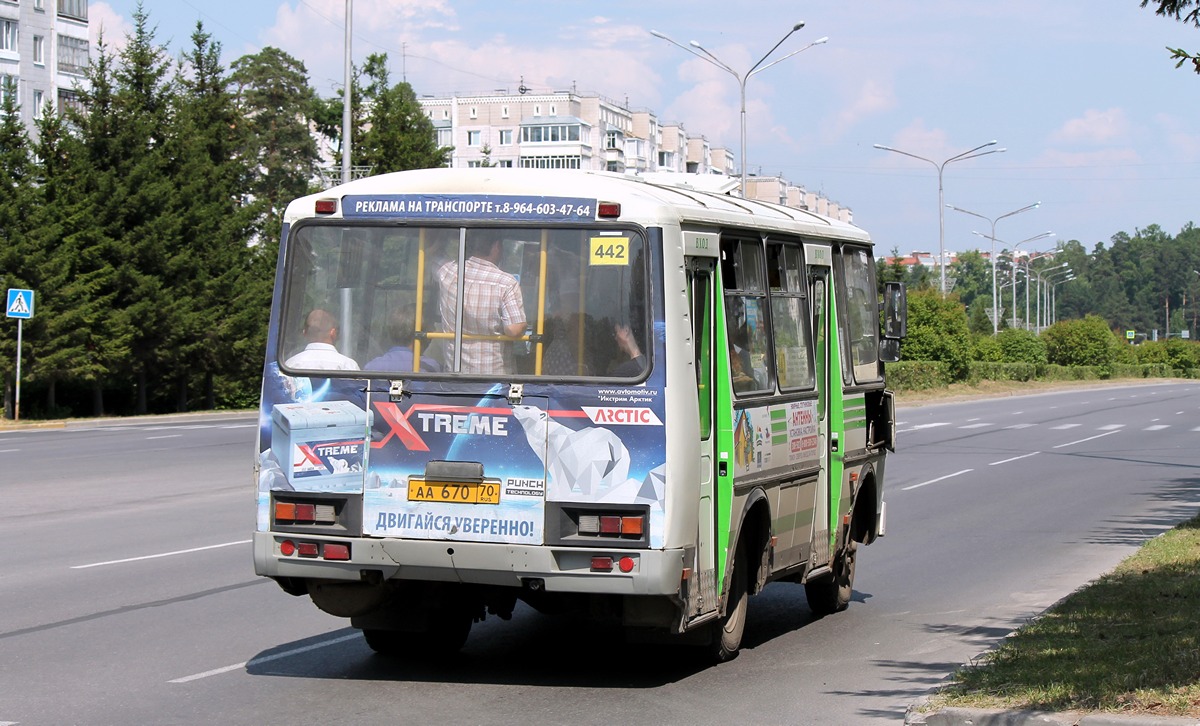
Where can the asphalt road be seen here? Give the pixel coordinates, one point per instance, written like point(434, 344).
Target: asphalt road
point(127, 594)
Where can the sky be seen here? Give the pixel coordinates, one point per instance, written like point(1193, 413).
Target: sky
point(1096, 123)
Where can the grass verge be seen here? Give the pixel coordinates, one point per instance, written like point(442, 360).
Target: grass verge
point(1128, 642)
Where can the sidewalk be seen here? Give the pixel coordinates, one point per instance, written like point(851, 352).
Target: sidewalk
point(10, 425)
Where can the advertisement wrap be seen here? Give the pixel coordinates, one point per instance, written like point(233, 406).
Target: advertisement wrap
point(605, 444)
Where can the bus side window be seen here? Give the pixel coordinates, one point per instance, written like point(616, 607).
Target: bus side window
point(789, 318)
point(859, 318)
point(751, 368)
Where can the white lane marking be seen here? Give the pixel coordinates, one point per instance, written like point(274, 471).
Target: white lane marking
point(264, 659)
point(1196, 429)
point(161, 554)
point(973, 419)
point(1015, 458)
point(1064, 427)
point(918, 427)
point(168, 436)
point(975, 426)
point(1112, 427)
point(934, 481)
point(1157, 427)
point(7, 451)
point(1020, 426)
point(240, 426)
point(1098, 436)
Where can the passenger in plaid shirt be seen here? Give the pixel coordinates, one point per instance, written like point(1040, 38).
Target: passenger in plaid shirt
point(492, 305)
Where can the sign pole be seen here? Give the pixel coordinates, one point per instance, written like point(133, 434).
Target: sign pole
point(17, 402)
point(19, 306)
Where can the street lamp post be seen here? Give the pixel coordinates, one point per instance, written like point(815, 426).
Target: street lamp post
point(968, 154)
point(1040, 275)
point(1049, 274)
point(708, 57)
point(1054, 297)
point(1043, 235)
point(995, 292)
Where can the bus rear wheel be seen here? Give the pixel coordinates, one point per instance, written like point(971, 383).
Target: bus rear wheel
point(831, 594)
point(445, 636)
point(727, 633)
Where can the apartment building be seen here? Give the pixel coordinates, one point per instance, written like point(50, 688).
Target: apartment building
point(44, 53)
point(569, 130)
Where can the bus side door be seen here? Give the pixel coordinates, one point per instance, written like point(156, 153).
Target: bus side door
point(819, 260)
point(700, 296)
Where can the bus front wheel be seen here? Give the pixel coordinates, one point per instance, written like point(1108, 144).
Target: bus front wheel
point(831, 594)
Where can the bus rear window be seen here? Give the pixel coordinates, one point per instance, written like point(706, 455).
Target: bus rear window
point(476, 301)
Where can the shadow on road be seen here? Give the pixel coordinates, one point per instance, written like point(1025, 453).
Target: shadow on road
point(536, 649)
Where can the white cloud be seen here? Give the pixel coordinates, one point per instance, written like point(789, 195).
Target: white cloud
point(1182, 140)
point(1094, 127)
point(1100, 158)
point(103, 19)
point(873, 97)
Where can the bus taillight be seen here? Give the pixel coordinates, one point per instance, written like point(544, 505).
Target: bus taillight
point(326, 206)
point(612, 525)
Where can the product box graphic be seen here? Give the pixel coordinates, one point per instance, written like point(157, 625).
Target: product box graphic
point(321, 447)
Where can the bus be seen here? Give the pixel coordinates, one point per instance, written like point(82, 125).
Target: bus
point(585, 391)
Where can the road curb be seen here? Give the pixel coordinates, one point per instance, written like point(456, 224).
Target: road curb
point(1001, 717)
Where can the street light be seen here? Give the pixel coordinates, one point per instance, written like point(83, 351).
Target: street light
point(1050, 274)
point(1036, 237)
point(708, 57)
point(969, 154)
point(1039, 274)
point(995, 292)
point(1054, 297)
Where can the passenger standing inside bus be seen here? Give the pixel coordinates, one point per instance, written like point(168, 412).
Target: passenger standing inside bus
point(321, 332)
point(492, 306)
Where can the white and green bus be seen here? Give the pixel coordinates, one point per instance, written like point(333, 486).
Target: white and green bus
point(638, 400)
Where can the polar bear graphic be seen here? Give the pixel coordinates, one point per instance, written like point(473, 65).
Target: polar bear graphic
point(587, 463)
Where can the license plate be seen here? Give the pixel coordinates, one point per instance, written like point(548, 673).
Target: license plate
point(454, 492)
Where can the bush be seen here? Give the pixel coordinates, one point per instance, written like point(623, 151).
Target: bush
point(1085, 343)
point(918, 375)
point(937, 331)
point(988, 371)
point(1021, 346)
point(1180, 355)
point(985, 348)
point(1054, 372)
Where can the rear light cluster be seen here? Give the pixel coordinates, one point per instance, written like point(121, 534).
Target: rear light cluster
point(612, 525)
point(303, 513)
point(315, 550)
point(604, 563)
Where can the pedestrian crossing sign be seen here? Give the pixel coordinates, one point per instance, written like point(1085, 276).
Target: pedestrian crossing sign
point(20, 304)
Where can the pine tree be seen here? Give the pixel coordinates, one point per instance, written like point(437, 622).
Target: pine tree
point(214, 223)
point(89, 336)
point(274, 97)
point(398, 136)
point(149, 232)
point(15, 266)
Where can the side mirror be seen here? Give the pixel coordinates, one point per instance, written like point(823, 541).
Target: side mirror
point(895, 311)
point(889, 350)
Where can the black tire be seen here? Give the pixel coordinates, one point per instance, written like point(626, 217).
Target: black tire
point(446, 635)
point(831, 594)
point(727, 633)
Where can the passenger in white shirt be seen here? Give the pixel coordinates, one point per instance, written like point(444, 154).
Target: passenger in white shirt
point(320, 330)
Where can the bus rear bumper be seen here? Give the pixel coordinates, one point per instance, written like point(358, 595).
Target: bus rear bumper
point(556, 569)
